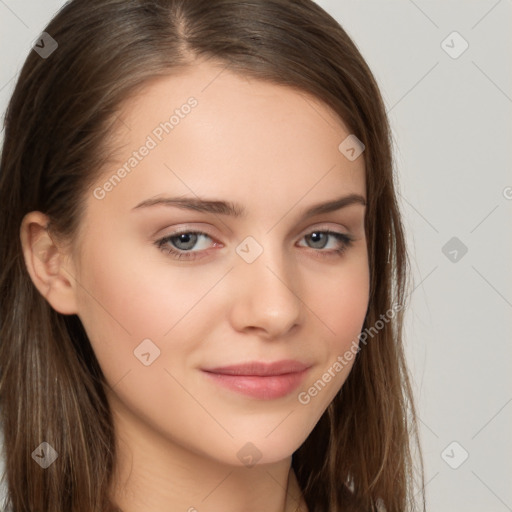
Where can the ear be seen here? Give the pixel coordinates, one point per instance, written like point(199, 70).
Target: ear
point(49, 266)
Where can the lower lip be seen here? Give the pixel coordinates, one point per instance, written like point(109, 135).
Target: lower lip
point(263, 388)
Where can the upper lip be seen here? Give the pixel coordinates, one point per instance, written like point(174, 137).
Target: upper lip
point(261, 368)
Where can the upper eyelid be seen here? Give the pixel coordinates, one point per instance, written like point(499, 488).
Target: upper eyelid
point(205, 231)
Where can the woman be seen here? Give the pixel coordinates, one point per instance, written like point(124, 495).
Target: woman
point(203, 268)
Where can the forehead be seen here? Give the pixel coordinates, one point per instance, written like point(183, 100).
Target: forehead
point(208, 131)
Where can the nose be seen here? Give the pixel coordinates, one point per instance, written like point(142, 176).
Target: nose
point(266, 296)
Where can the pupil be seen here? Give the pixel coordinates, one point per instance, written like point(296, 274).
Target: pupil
point(316, 238)
point(187, 239)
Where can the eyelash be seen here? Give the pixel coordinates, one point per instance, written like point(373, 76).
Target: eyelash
point(345, 239)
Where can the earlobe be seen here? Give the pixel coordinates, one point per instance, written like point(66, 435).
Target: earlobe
point(45, 263)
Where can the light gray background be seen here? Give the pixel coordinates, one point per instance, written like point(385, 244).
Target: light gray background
point(451, 119)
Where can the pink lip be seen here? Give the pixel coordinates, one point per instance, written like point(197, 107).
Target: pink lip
point(261, 380)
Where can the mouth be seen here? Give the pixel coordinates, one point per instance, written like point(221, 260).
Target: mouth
point(264, 381)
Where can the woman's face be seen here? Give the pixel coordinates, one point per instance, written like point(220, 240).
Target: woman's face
point(265, 285)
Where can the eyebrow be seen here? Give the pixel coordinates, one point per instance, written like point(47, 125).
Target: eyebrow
point(236, 210)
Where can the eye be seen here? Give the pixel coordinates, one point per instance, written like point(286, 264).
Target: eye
point(182, 243)
point(179, 245)
point(320, 238)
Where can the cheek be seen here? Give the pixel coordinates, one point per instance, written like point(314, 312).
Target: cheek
point(340, 307)
point(348, 309)
point(343, 303)
point(125, 298)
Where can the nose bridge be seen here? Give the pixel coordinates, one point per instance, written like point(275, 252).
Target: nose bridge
point(264, 260)
point(267, 293)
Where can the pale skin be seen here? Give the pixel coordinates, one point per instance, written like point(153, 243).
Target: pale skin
point(274, 151)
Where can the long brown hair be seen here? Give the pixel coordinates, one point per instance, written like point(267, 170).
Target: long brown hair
point(56, 127)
